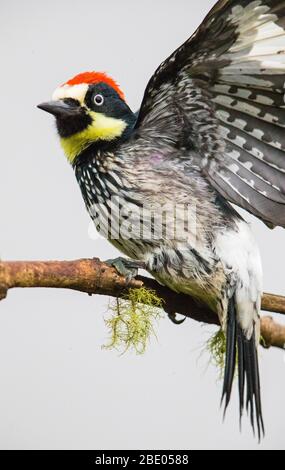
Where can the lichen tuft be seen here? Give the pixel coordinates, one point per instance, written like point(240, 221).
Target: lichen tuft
point(132, 320)
point(216, 345)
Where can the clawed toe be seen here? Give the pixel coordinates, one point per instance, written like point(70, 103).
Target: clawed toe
point(173, 317)
point(126, 267)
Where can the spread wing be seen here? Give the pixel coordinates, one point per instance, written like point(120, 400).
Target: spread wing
point(226, 83)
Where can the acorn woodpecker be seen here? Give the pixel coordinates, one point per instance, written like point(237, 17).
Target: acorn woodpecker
point(209, 132)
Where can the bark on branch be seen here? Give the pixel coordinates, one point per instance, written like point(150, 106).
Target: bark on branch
point(94, 277)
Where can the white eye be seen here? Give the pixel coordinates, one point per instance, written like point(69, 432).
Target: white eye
point(98, 100)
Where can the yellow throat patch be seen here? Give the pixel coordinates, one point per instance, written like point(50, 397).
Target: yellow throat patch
point(102, 128)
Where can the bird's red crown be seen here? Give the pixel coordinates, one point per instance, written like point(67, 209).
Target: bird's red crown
point(93, 78)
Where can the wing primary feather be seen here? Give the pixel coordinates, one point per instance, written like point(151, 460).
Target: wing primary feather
point(229, 81)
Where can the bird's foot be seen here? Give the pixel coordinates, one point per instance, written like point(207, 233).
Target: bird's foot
point(173, 317)
point(126, 267)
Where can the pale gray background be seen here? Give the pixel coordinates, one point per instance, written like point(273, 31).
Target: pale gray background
point(58, 389)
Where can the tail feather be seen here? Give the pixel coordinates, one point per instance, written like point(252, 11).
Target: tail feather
point(248, 370)
point(230, 356)
point(241, 371)
point(256, 387)
point(249, 381)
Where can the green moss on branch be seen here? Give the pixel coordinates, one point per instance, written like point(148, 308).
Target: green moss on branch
point(132, 321)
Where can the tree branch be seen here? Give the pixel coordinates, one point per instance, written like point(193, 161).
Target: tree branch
point(94, 277)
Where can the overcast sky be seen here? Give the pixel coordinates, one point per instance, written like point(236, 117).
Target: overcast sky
point(58, 388)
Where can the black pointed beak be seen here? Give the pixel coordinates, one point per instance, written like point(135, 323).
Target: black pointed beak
point(60, 109)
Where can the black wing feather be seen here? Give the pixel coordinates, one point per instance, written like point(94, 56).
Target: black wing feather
point(228, 79)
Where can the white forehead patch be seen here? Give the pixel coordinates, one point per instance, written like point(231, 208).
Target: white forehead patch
point(77, 92)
